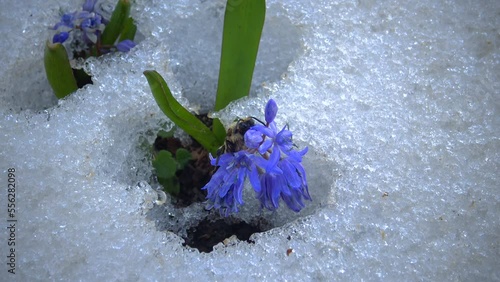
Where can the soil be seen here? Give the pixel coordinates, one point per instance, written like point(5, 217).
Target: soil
point(208, 233)
point(82, 78)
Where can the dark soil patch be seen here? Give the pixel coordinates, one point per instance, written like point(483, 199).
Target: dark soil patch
point(82, 78)
point(209, 233)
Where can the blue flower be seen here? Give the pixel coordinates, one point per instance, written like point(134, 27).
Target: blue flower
point(270, 111)
point(253, 139)
point(60, 37)
point(283, 174)
point(269, 135)
point(86, 27)
point(290, 185)
point(225, 189)
point(273, 166)
point(125, 45)
point(91, 25)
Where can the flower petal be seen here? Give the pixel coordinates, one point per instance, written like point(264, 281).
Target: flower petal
point(294, 201)
point(276, 190)
point(264, 129)
point(253, 138)
point(273, 159)
point(266, 145)
point(125, 45)
point(238, 187)
point(60, 37)
point(271, 110)
point(290, 173)
point(284, 140)
point(254, 179)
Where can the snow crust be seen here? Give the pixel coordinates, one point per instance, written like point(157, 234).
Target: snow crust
point(397, 101)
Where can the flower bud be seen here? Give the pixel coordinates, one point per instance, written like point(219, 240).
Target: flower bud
point(271, 111)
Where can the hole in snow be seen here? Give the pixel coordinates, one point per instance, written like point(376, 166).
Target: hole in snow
point(202, 229)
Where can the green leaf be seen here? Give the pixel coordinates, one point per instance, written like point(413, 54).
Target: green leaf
point(243, 23)
point(116, 23)
point(129, 30)
point(183, 157)
point(178, 114)
point(171, 185)
point(165, 165)
point(58, 70)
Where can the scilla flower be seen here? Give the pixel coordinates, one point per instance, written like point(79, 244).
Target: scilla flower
point(225, 189)
point(274, 169)
point(288, 182)
point(283, 174)
point(80, 31)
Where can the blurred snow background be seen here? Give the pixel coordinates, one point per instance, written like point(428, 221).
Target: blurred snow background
point(397, 100)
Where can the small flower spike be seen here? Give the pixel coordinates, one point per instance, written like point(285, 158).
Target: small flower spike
point(225, 189)
point(289, 183)
point(269, 160)
point(80, 31)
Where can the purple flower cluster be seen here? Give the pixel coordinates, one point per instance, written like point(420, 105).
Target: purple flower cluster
point(270, 162)
point(83, 29)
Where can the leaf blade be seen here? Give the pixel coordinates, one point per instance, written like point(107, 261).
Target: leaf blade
point(115, 25)
point(129, 30)
point(183, 157)
point(164, 164)
point(243, 23)
point(178, 114)
point(58, 70)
